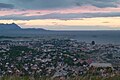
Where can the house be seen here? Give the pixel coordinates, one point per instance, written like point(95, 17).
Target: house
point(104, 65)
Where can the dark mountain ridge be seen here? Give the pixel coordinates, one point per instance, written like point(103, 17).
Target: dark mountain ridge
point(12, 26)
point(15, 30)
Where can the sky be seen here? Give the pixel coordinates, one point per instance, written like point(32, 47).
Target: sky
point(62, 14)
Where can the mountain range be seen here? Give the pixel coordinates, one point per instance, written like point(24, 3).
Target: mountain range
point(14, 26)
point(15, 30)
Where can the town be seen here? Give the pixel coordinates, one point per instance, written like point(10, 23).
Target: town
point(57, 58)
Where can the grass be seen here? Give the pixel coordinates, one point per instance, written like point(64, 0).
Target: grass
point(71, 78)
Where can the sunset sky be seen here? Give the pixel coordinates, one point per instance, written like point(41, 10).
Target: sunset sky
point(62, 14)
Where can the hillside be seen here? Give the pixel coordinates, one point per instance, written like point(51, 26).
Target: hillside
point(12, 26)
point(15, 30)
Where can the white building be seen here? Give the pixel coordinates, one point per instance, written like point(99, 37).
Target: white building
point(104, 65)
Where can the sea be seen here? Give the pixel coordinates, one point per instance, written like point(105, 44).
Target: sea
point(100, 37)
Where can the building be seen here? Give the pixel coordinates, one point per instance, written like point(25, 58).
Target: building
point(104, 65)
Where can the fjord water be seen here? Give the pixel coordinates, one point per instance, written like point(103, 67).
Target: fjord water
point(100, 37)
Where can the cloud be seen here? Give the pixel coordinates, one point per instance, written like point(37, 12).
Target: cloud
point(97, 3)
point(41, 4)
point(26, 9)
point(69, 16)
point(52, 4)
point(4, 5)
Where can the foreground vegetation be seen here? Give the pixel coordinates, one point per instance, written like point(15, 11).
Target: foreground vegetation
point(61, 78)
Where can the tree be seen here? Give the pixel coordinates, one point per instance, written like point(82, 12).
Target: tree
point(93, 42)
